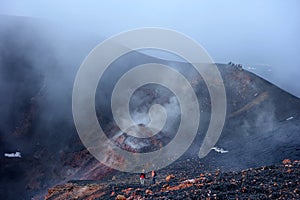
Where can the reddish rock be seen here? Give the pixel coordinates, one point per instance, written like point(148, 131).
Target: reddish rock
point(127, 191)
point(286, 162)
point(169, 177)
point(120, 197)
point(149, 192)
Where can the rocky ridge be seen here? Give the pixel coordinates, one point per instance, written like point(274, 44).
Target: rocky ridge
point(266, 182)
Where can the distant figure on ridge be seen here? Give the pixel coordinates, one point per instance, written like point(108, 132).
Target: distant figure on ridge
point(153, 175)
point(142, 177)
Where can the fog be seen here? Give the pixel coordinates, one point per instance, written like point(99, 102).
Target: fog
point(263, 36)
point(42, 45)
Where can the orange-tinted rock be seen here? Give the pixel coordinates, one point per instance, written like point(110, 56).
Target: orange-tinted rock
point(286, 162)
point(169, 177)
point(120, 197)
point(149, 192)
point(127, 191)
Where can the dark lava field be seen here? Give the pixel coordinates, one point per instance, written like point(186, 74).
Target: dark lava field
point(267, 182)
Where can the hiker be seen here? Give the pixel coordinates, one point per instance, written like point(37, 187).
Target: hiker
point(153, 175)
point(142, 177)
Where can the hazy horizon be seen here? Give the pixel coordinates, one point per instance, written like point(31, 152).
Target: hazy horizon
point(263, 36)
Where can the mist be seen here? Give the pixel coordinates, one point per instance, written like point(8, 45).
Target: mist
point(262, 36)
point(37, 71)
point(42, 46)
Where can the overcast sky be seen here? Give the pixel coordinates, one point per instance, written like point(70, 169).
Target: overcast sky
point(259, 34)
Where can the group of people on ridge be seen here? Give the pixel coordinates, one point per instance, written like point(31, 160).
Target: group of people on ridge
point(143, 176)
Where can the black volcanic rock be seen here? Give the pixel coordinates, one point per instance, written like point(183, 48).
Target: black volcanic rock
point(262, 124)
point(267, 182)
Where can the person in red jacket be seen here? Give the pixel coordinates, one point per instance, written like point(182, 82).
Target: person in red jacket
point(142, 177)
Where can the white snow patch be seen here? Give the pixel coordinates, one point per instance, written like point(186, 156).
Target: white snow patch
point(13, 155)
point(219, 150)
